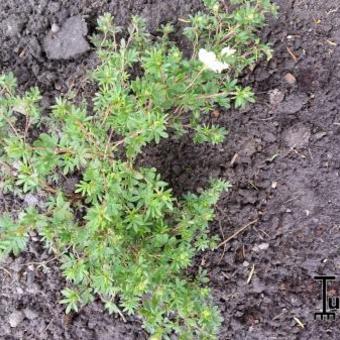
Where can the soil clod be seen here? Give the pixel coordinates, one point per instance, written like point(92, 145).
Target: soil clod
point(69, 41)
point(16, 318)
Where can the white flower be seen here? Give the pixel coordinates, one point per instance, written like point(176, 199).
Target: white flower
point(210, 61)
point(228, 51)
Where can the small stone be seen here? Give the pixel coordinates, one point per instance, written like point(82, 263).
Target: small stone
point(274, 185)
point(15, 318)
point(290, 79)
point(31, 200)
point(263, 246)
point(215, 114)
point(20, 291)
point(16, 165)
point(260, 247)
point(276, 97)
point(320, 135)
point(55, 28)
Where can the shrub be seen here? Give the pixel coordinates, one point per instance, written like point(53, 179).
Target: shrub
point(120, 234)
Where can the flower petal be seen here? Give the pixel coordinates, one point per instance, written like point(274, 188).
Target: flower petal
point(227, 51)
point(210, 61)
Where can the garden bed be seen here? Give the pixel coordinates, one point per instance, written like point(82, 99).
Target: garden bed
point(281, 157)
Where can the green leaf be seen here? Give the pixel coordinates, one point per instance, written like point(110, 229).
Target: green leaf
point(13, 236)
point(213, 134)
point(243, 97)
point(71, 300)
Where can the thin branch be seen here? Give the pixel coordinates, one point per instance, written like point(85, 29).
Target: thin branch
point(237, 232)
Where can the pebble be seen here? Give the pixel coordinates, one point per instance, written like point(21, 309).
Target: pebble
point(55, 28)
point(215, 113)
point(19, 290)
point(290, 79)
point(263, 246)
point(16, 318)
point(320, 135)
point(16, 165)
point(31, 200)
point(260, 247)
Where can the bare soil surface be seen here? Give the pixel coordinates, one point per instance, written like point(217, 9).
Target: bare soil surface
point(282, 157)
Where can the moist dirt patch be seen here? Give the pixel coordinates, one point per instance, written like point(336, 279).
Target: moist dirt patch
point(281, 155)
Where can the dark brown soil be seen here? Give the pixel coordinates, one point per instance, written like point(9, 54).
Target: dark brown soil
point(282, 157)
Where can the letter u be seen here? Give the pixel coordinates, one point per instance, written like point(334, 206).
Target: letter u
point(334, 303)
